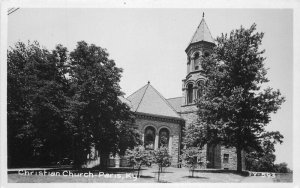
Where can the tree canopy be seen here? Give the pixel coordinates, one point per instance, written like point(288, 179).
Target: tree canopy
point(60, 102)
point(236, 105)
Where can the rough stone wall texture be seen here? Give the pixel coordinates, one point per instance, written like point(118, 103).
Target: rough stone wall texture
point(189, 114)
point(175, 150)
point(232, 161)
point(175, 134)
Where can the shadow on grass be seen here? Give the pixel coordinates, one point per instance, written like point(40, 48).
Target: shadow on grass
point(146, 177)
point(162, 172)
point(195, 177)
point(163, 181)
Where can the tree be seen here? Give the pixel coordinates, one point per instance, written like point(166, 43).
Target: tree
point(192, 158)
point(235, 108)
point(162, 158)
point(282, 168)
point(36, 104)
point(262, 160)
point(139, 157)
point(99, 116)
point(60, 104)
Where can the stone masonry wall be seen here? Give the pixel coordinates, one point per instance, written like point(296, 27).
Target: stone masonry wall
point(189, 114)
point(232, 161)
point(175, 134)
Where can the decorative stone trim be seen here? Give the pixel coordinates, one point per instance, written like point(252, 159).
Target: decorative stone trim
point(158, 117)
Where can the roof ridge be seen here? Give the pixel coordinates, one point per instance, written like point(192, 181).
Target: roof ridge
point(142, 97)
point(208, 30)
point(136, 91)
point(165, 101)
point(195, 31)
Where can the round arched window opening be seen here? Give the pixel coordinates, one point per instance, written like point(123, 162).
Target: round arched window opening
point(190, 93)
point(196, 56)
point(164, 137)
point(149, 138)
point(196, 61)
point(206, 54)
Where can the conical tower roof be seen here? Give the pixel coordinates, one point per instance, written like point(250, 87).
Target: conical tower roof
point(202, 33)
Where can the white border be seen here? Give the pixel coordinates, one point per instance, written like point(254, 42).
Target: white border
point(293, 4)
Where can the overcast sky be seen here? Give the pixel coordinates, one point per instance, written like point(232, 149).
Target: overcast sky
point(149, 45)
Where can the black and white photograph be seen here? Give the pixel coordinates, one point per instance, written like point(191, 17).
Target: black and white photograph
point(148, 94)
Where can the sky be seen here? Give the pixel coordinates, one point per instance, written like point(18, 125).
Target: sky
point(149, 45)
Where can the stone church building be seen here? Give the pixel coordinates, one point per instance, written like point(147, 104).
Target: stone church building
point(161, 121)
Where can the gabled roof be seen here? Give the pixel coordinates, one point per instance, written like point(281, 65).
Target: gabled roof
point(202, 33)
point(149, 100)
point(176, 103)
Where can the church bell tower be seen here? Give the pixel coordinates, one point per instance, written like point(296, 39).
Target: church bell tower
point(201, 45)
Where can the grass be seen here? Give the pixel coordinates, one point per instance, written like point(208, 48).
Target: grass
point(284, 178)
point(147, 175)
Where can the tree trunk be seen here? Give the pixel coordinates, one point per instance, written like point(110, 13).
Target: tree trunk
point(138, 175)
point(239, 159)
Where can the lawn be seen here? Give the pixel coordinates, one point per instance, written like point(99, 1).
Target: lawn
point(147, 175)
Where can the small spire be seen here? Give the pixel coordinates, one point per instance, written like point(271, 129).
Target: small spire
point(203, 15)
point(148, 82)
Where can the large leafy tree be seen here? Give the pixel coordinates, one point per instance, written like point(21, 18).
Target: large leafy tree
point(236, 104)
point(99, 116)
point(36, 102)
point(60, 104)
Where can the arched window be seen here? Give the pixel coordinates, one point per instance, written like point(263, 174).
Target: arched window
point(200, 89)
point(164, 137)
point(149, 138)
point(197, 60)
point(206, 54)
point(188, 64)
point(190, 93)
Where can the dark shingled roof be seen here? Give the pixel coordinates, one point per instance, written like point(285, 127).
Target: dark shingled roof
point(202, 33)
point(149, 100)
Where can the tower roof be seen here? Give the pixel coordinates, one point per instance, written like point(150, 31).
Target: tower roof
point(149, 100)
point(202, 33)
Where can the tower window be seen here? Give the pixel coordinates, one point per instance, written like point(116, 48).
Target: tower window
point(196, 56)
point(206, 54)
point(197, 61)
point(190, 94)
